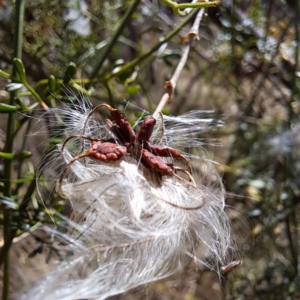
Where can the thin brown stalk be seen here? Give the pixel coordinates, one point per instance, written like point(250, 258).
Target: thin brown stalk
point(171, 85)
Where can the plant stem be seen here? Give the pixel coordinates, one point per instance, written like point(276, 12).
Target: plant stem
point(36, 95)
point(23, 148)
point(292, 246)
point(19, 18)
point(136, 61)
point(167, 97)
point(108, 48)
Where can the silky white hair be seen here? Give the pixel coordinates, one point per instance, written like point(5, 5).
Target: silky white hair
point(129, 226)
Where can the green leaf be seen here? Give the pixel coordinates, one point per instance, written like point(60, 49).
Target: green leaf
point(18, 64)
point(52, 83)
point(4, 74)
point(6, 108)
point(5, 155)
point(166, 111)
point(71, 69)
point(23, 106)
point(19, 156)
point(33, 106)
point(23, 155)
point(133, 89)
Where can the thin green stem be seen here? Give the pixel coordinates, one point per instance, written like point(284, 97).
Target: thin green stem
point(81, 82)
point(194, 5)
point(177, 7)
point(27, 196)
point(104, 54)
point(22, 149)
point(7, 234)
point(110, 94)
point(292, 246)
point(4, 74)
point(22, 209)
point(36, 95)
point(136, 61)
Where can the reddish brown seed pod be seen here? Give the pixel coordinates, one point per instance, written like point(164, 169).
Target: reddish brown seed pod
point(146, 129)
point(138, 146)
point(123, 123)
point(167, 152)
point(231, 266)
point(107, 151)
point(156, 163)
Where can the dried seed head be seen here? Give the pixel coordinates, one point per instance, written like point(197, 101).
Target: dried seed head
point(128, 225)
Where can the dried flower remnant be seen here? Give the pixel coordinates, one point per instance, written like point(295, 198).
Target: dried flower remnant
point(125, 141)
point(135, 226)
point(230, 267)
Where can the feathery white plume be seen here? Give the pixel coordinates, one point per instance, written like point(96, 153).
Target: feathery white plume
point(129, 226)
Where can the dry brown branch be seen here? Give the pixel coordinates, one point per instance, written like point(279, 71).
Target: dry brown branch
point(171, 84)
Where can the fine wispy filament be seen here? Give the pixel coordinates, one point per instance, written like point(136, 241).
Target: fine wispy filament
point(128, 226)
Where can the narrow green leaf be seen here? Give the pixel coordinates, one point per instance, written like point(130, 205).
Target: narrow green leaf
point(71, 69)
point(18, 156)
point(18, 64)
point(33, 106)
point(23, 106)
point(4, 74)
point(23, 155)
point(5, 155)
point(6, 108)
point(52, 83)
point(36, 95)
point(133, 89)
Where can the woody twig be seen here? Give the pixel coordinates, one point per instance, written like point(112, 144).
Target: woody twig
point(171, 84)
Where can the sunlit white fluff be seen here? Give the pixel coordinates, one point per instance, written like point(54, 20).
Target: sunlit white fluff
point(127, 225)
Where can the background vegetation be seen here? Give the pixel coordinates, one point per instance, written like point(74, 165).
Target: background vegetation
point(245, 67)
